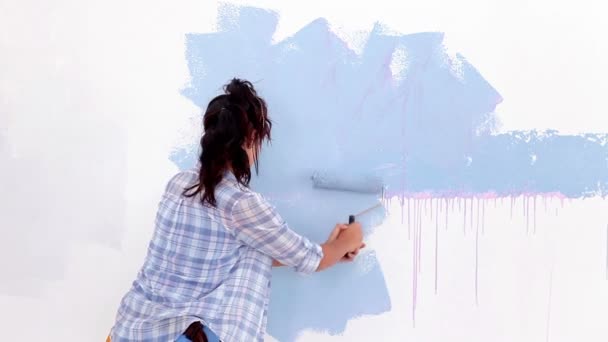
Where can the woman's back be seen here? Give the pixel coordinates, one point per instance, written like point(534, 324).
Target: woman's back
point(196, 269)
point(191, 251)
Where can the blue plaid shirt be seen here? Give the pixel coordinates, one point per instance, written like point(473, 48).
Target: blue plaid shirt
point(211, 265)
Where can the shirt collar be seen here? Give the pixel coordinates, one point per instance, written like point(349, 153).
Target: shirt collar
point(229, 176)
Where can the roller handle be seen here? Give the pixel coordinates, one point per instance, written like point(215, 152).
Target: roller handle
point(351, 219)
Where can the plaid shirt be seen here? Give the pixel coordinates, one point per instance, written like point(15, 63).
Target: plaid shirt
point(211, 265)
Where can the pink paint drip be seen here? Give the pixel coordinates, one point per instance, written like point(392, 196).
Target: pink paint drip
point(478, 212)
point(414, 269)
point(534, 209)
point(402, 203)
point(472, 211)
point(464, 226)
point(436, 242)
point(446, 213)
point(483, 217)
point(419, 239)
point(527, 213)
point(414, 286)
point(409, 228)
point(426, 201)
point(476, 265)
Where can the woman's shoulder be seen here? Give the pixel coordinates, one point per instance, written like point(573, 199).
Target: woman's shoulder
point(228, 190)
point(181, 180)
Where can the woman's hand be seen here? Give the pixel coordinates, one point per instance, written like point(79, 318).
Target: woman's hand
point(350, 256)
point(343, 244)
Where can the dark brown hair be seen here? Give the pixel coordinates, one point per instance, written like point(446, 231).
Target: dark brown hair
point(236, 118)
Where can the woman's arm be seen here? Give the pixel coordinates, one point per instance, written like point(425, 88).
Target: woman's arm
point(335, 251)
point(256, 223)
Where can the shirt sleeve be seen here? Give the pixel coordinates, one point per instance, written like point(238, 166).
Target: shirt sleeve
point(257, 224)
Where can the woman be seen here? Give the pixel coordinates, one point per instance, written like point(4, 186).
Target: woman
point(206, 276)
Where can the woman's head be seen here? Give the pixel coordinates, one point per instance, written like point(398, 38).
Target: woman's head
point(235, 125)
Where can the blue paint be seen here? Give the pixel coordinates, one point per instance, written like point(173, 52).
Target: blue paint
point(519, 163)
point(333, 109)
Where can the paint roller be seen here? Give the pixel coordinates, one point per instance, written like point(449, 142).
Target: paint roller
point(363, 184)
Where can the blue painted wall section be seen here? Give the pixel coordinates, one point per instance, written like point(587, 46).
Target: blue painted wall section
point(430, 130)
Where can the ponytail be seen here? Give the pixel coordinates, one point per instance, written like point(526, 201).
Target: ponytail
point(232, 120)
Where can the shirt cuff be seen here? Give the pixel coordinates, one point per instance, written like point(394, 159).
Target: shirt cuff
point(311, 262)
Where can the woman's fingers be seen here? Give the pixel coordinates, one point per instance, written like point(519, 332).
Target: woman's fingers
point(350, 256)
point(334, 233)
